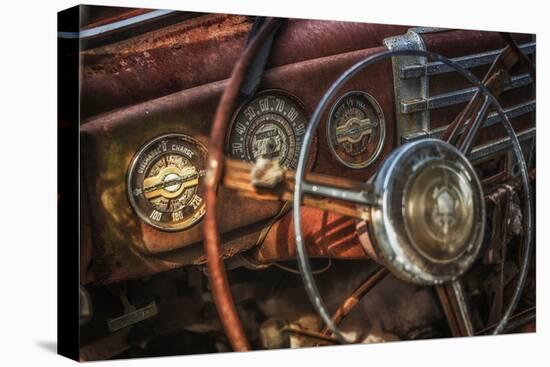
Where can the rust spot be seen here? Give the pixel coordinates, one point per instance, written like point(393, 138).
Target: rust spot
point(197, 30)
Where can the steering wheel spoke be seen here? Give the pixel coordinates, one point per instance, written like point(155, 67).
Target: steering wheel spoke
point(342, 196)
point(455, 307)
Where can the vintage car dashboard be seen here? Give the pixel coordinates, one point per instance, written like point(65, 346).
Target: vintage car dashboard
point(149, 101)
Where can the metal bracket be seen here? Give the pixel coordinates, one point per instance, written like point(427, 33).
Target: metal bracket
point(408, 89)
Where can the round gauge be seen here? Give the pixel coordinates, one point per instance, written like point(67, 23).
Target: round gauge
point(271, 125)
point(164, 182)
point(356, 129)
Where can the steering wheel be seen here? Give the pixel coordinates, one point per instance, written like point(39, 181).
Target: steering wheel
point(426, 176)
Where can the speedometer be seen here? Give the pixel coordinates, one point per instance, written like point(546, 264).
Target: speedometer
point(272, 126)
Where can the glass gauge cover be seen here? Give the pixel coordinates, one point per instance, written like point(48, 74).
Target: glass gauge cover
point(271, 125)
point(164, 182)
point(356, 129)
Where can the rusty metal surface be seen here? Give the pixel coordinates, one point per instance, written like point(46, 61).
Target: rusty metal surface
point(123, 247)
point(96, 16)
point(109, 144)
point(93, 16)
point(187, 55)
point(122, 243)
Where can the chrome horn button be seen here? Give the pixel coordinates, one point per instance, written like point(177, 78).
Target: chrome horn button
point(429, 218)
point(438, 211)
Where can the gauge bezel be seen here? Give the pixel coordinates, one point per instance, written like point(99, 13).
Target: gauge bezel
point(135, 159)
point(382, 123)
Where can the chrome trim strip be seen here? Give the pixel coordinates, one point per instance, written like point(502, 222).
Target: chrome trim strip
point(500, 145)
point(467, 62)
point(492, 119)
point(99, 30)
point(416, 105)
point(512, 112)
point(485, 150)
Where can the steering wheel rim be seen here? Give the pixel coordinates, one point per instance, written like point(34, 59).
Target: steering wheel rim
point(219, 284)
point(301, 254)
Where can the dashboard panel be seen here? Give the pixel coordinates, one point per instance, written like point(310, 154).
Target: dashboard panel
point(112, 140)
point(130, 238)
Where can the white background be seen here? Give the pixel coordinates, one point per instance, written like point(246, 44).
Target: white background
point(28, 181)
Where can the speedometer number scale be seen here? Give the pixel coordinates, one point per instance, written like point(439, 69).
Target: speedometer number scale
point(271, 126)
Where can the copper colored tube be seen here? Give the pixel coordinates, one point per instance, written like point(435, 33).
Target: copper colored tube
point(350, 302)
point(212, 244)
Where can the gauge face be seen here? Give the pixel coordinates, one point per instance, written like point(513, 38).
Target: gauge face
point(356, 129)
point(164, 182)
point(271, 125)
